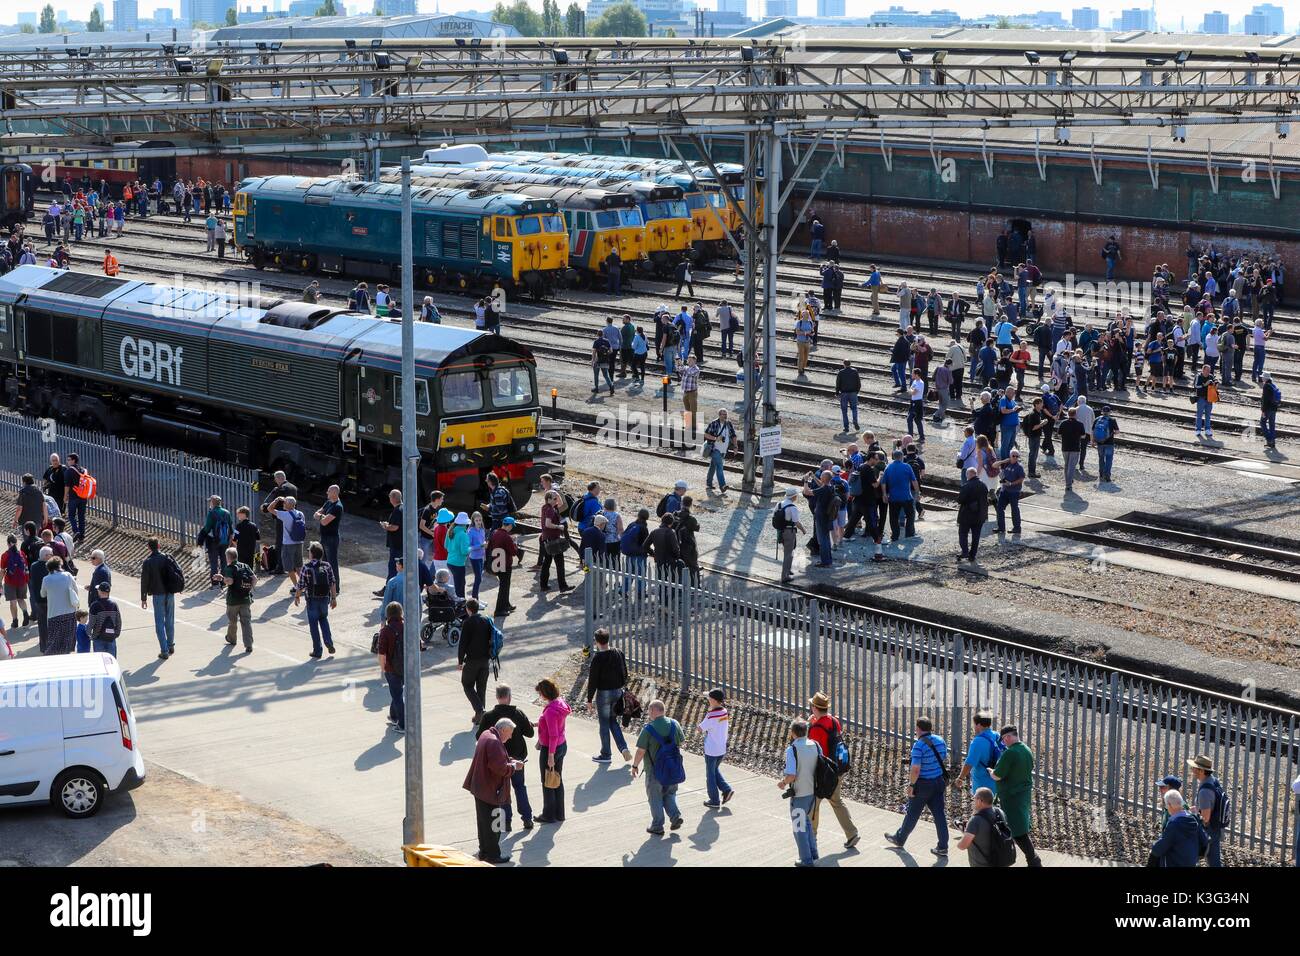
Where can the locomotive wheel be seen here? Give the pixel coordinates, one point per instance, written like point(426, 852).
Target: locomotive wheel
point(257, 258)
point(430, 279)
point(307, 262)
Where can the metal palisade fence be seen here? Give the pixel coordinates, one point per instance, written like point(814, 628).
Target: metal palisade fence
point(1100, 735)
point(139, 487)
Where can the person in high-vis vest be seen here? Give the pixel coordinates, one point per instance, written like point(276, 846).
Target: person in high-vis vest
point(110, 263)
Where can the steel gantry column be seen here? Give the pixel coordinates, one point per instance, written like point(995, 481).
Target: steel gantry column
point(752, 238)
point(771, 255)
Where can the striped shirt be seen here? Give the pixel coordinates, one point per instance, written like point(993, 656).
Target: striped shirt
point(924, 755)
point(690, 378)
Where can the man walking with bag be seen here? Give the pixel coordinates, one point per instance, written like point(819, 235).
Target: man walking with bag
point(825, 731)
point(929, 779)
point(660, 746)
point(606, 679)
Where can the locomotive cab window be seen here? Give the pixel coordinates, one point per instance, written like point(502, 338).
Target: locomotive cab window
point(422, 406)
point(503, 227)
point(529, 225)
point(461, 392)
point(510, 387)
point(5, 313)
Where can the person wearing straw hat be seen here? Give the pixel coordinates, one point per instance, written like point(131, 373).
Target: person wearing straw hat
point(826, 732)
point(1212, 805)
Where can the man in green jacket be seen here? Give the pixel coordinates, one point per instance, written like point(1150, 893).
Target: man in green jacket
point(1015, 776)
point(216, 534)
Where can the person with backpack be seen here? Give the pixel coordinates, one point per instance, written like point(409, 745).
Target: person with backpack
point(474, 656)
point(239, 580)
point(826, 731)
point(786, 524)
point(799, 787)
point(719, 438)
point(632, 548)
point(1014, 774)
point(606, 679)
point(81, 488)
point(293, 535)
point(500, 504)
point(321, 589)
point(659, 745)
point(552, 746)
point(218, 529)
point(161, 579)
point(1104, 429)
point(1212, 806)
point(988, 838)
point(981, 756)
point(1270, 399)
point(671, 502)
point(16, 577)
point(105, 621)
point(926, 786)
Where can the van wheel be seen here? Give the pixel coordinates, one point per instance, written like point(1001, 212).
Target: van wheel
point(78, 793)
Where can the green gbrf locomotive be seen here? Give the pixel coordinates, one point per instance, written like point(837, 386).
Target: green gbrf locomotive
point(270, 384)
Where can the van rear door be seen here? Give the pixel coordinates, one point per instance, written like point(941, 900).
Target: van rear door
point(31, 743)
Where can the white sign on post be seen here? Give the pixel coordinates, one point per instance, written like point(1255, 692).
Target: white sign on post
point(769, 441)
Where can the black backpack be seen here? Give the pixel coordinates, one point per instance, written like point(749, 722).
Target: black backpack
point(243, 577)
point(173, 578)
point(602, 346)
point(825, 776)
point(320, 580)
point(1001, 851)
point(779, 520)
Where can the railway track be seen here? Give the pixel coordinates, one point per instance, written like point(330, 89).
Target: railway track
point(290, 285)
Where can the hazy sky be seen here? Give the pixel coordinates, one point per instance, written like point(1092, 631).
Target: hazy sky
point(1168, 13)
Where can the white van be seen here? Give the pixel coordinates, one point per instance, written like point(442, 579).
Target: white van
point(67, 733)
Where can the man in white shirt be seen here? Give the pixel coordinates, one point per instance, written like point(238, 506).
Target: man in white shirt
point(1085, 416)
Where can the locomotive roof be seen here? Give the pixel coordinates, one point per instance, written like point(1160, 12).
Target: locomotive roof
point(566, 193)
point(644, 190)
point(296, 327)
point(331, 189)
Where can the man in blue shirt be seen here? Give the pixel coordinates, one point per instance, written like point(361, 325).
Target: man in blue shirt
point(874, 282)
point(982, 755)
point(901, 493)
point(1013, 479)
point(929, 778)
point(988, 364)
point(1009, 409)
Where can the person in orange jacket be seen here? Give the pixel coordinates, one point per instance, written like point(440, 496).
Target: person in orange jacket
point(110, 263)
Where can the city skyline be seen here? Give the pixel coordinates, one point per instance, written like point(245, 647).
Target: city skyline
point(1188, 16)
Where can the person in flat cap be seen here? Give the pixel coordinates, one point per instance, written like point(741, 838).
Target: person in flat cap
point(105, 621)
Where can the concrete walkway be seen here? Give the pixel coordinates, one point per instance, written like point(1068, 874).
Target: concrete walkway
point(309, 738)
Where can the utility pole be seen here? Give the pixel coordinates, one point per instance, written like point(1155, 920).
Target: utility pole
point(413, 822)
point(749, 426)
point(771, 221)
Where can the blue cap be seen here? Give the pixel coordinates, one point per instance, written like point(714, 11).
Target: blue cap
point(1172, 782)
point(507, 522)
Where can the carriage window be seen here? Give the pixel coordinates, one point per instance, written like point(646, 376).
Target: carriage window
point(461, 392)
point(421, 395)
point(511, 387)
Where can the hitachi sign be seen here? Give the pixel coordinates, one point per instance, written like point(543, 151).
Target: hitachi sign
point(155, 361)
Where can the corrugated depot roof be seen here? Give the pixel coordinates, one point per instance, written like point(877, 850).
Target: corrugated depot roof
point(1103, 56)
point(362, 28)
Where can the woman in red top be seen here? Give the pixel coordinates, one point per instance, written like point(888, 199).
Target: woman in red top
point(551, 743)
point(15, 582)
point(552, 539)
point(440, 540)
point(1020, 361)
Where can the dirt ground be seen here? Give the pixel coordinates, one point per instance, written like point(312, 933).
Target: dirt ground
point(170, 821)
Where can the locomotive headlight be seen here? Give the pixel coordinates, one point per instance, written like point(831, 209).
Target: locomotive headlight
point(455, 456)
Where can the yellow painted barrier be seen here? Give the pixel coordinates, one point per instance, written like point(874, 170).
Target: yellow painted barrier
point(423, 854)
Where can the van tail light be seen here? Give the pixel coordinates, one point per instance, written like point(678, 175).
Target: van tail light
point(126, 729)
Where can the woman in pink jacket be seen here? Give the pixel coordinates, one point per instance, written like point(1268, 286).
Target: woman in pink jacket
point(550, 741)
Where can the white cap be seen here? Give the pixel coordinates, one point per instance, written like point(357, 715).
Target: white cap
point(680, 485)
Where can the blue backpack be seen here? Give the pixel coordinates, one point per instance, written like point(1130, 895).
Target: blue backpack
point(668, 768)
point(996, 748)
point(1101, 429)
point(298, 528)
point(498, 640)
point(630, 544)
